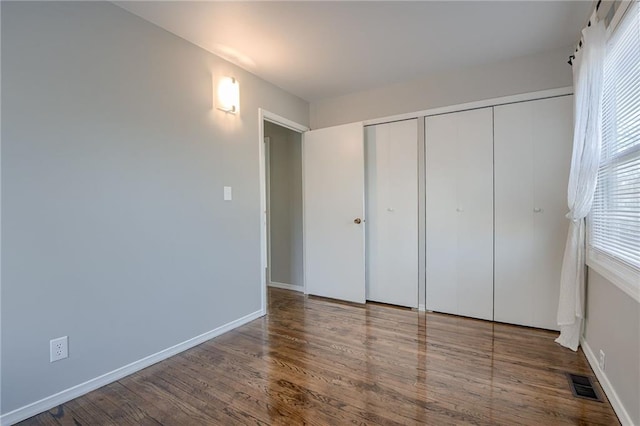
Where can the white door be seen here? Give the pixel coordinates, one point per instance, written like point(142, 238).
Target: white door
point(333, 161)
point(532, 158)
point(391, 153)
point(459, 198)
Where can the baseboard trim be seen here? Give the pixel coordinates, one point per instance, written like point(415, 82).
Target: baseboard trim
point(66, 395)
point(286, 286)
point(607, 387)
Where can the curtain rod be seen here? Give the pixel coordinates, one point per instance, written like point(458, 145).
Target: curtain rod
point(572, 57)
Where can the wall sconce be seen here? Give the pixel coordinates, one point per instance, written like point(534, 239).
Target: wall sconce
point(228, 95)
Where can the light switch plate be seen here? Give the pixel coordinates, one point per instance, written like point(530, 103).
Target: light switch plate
point(227, 193)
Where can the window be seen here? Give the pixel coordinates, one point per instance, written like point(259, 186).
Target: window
point(615, 215)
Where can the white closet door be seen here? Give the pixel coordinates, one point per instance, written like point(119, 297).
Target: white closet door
point(459, 198)
point(392, 212)
point(333, 169)
point(514, 183)
point(532, 160)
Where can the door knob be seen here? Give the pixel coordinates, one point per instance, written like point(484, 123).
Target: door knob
point(357, 221)
point(537, 210)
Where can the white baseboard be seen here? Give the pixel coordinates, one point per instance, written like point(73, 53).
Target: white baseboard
point(607, 387)
point(422, 307)
point(286, 286)
point(66, 395)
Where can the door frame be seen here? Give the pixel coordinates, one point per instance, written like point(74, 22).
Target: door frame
point(264, 115)
point(267, 208)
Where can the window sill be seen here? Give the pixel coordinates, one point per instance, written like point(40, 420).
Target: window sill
point(622, 276)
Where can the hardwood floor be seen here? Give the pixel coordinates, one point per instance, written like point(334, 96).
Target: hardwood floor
point(316, 361)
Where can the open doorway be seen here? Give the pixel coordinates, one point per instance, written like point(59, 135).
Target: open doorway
point(282, 187)
point(283, 149)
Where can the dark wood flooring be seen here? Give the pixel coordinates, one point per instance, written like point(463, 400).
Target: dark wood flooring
point(316, 361)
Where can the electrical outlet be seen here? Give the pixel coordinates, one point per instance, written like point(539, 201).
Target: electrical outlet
point(601, 360)
point(58, 349)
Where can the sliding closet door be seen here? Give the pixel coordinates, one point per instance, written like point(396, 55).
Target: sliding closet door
point(532, 159)
point(459, 198)
point(391, 154)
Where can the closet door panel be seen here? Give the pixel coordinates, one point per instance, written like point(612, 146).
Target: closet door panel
point(514, 218)
point(442, 221)
point(375, 185)
point(392, 213)
point(475, 214)
point(402, 211)
point(552, 160)
point(459, 197)
point(532, 159)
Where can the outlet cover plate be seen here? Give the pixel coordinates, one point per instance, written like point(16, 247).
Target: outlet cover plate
point(59, 349)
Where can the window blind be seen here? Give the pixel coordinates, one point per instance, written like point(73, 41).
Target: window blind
point(615, 215)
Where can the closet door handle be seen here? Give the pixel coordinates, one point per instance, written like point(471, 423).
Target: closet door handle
point(357, 221)
point(537, 210)
point(459, 210)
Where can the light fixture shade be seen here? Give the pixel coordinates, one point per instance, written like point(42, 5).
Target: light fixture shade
point(228, 95)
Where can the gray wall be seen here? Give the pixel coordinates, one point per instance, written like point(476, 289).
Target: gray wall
point(285, 204)
point(613, 325)
point(543, 71)
point(115, 232)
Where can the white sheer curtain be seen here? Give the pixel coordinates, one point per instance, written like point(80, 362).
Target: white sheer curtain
point(588, 67)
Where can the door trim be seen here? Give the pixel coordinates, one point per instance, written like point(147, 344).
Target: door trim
point(267, 208)
point(484, 103)
point(264, 115)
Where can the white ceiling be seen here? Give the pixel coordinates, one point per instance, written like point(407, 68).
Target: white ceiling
point(319, 50)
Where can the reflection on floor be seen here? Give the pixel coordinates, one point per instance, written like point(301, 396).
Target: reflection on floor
point(317, 361)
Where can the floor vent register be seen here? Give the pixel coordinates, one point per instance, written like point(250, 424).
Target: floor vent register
point(582, 387)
